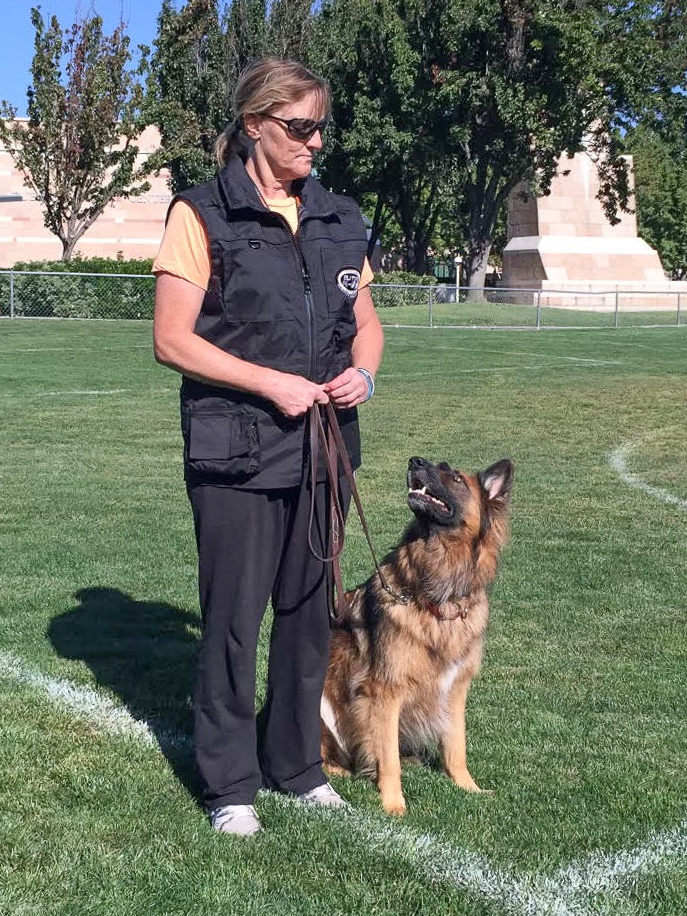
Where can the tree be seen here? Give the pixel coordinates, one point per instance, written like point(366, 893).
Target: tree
point(290, 28)
point(77, 150)
point(385, 137)
point(188, 87)
point(450, 103)
point(199, 53)
point(660, 168)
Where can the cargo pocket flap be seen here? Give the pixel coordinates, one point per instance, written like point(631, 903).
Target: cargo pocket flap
point(223, 441)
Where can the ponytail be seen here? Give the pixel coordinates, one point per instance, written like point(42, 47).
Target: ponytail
point(231, 142)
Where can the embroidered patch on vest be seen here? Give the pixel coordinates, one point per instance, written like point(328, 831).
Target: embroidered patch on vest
point(348, 281)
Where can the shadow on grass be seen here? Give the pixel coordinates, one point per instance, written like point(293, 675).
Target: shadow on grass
point(145, 653)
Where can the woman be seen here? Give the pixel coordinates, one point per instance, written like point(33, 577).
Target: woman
point(262, 304)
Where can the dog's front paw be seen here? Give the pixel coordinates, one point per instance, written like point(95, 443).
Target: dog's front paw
point(477, 791)
point(466, 782)
point(463, 779)
point(395, 806)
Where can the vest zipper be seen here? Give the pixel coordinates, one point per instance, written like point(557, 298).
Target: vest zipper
point(309, 302)
point(310, 307)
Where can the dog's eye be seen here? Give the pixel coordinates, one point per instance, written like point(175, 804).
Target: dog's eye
point(448, 470)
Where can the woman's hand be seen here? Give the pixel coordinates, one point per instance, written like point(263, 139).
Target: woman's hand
point(293, 395)
point(347, 389)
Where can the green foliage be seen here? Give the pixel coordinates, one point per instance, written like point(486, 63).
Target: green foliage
point(199, 53)
point(660, 167)
point(90, 265)
point(188, 88)
point(442, 107)
point(404, 278)
point(289, 28)
point(48, 293)
point(77, 151)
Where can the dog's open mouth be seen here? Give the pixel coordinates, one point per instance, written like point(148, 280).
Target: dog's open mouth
point(422, 495)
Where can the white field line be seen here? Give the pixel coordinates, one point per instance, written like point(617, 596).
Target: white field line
point(572, 891)
point(568, 892)
point(618, 462)
point(52, 394)
point(81, 392)
point(450, 371)
point(604, 873)
point(439, 862)
point(576, 359)
point(148, 346)
point(87, 705)
point(93, 349)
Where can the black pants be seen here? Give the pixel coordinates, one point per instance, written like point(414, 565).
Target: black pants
point(252, 546)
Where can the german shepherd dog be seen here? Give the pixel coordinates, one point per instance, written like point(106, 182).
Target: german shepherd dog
point(402, 659)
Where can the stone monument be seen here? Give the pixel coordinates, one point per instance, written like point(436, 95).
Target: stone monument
point(564, 245)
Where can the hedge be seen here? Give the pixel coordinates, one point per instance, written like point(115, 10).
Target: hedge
point(51, 295)
point(81, 296)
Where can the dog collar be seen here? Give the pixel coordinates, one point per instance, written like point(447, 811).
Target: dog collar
point(435, 611)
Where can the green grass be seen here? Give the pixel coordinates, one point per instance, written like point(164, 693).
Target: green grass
point(577, 720)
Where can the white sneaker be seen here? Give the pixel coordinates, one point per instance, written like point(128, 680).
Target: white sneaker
point(241, 820)
point(324, 795)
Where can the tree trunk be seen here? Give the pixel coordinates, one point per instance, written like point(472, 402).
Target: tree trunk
point(376, 229)
point(68, 246)
point(420, 256)
point(477, 271)
point(415, 254)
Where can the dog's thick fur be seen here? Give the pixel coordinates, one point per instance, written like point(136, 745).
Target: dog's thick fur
point(399, 671)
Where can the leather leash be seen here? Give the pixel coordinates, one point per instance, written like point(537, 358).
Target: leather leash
point(333, 447)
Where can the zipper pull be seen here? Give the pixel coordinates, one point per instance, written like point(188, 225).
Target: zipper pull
point(306, 279)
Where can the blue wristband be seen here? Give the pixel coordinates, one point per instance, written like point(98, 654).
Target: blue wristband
point(370, 383)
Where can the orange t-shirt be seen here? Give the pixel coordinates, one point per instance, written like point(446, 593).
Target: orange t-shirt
point(185, 248)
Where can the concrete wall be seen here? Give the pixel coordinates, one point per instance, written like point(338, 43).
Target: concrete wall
point(131, 227)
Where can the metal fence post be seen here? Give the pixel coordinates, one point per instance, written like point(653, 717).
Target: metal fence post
point(678, 309)
point(11, 294)
point(617, 303)
point(538, 325)
point(431, 306)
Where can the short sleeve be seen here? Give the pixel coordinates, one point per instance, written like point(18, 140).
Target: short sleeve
point(185, 249)
point(366, 275)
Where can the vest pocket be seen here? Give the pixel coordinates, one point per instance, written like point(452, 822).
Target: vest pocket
point(222, 440)
point(255, 282)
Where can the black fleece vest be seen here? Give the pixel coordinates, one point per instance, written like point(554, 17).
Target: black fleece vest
point(278, 301)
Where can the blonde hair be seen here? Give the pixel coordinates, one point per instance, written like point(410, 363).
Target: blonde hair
point(263, 86)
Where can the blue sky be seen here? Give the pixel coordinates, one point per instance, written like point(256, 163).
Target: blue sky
point(16, 38)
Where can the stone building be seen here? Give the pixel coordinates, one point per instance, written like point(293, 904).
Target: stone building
point(127, 228)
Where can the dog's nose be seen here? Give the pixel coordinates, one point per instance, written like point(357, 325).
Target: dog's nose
point(417, 462)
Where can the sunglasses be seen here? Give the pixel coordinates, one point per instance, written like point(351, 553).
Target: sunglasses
point(300, 128)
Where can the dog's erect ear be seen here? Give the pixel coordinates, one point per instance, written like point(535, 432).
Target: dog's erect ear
point(496, 482)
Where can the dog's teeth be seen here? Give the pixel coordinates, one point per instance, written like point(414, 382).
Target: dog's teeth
point(423, 491)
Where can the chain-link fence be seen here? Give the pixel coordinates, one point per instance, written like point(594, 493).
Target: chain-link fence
point(41, 294)
point(497, 307)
